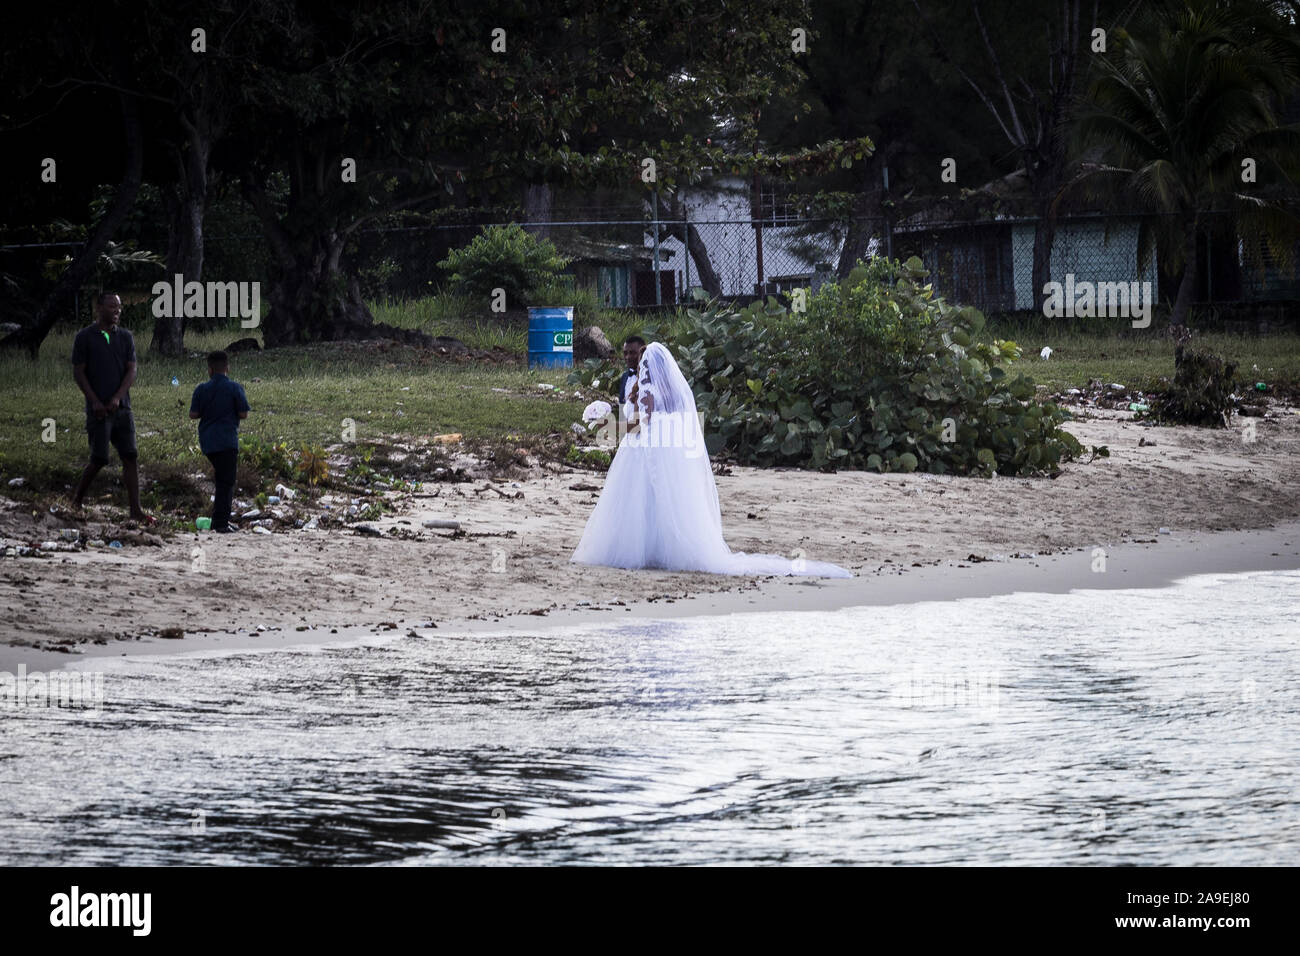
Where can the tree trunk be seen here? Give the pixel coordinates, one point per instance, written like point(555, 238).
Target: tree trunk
point(186, 204)
point(1187, 287)
point(312, 300)
point(699, 252)
point(856, 242)
point(538, 199)
point(83, 264)
point(1044, 239)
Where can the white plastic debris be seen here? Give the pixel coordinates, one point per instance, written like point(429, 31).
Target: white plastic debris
point(545, 387)
point(261, 530)
point(595, 411)
point(17, 482)
point(1046, 353)
point(442, 523)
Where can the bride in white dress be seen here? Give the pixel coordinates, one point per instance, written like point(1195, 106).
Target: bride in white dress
point(660, 506)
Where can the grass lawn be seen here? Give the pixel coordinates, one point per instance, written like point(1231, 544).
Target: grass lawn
point(298, 395)
point(1139, 358)
point(303, 395)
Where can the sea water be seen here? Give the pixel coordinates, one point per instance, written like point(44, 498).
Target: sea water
point(1157, 726)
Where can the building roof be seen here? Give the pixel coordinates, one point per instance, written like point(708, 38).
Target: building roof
point(582, 248)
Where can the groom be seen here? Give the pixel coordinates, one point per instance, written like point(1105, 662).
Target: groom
point(633, 348)
point(632, 351)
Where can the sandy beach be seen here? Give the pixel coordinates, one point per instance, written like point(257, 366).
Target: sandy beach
point(1224, 504)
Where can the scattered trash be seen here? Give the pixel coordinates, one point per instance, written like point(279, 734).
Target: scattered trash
point(1046, 353)
point(312, 525)
point(172, 633)
point(1261, 387)
point(1139, 407)
point(115, 544)
point(203, 524)
point(447, 439)
point(367, 529)
point(259, 529)
point(70, 534)
point(1145, 443)
point(95, 543)
point(272, 499)
point(545, 387)
point(285, 492)
point(17, 482)
point(49, 546)
point(1164, 531)
point(251, 515)
point(175, 380)
point(442, 523)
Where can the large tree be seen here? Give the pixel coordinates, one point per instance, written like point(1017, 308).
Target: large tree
point(1026, 63)
point(868, 71)
point(1177, 108)
point(466, 105)
point(37, 126)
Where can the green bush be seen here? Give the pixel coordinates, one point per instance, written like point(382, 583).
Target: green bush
point(504, 257)
point(878, 373)
point(264, 460)
point(1201, 393)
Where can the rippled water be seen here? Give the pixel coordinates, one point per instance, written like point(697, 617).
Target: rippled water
point(1102, 727)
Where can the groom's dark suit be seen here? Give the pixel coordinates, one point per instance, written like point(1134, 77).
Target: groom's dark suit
point(622, 384)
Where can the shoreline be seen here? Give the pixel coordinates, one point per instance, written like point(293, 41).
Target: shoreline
point(1229, 504)
point(1145, 565)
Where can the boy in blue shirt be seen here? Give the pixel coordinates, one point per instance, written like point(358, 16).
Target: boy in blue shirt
point(219, 404)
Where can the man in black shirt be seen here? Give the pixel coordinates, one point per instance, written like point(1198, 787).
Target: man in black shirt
point(220, 405)
point(103, 365)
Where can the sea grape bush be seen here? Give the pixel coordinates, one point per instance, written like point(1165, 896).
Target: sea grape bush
point(879, 373)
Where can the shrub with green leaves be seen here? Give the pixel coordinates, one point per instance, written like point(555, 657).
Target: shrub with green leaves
point(878, 373)
point(1201, 392)
point(504, 257)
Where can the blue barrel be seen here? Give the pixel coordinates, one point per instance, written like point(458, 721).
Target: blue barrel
point(550, 336)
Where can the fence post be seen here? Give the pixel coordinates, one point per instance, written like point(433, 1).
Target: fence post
point(889, 227)
point(658, 290)
point(686, 250)
point(758, 232)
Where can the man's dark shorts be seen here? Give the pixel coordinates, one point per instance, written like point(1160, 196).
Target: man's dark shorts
point(117, 429)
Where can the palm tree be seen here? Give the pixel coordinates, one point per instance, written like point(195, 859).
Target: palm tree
point(1175, 109)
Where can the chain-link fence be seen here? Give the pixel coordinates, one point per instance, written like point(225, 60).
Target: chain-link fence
point(638, 262)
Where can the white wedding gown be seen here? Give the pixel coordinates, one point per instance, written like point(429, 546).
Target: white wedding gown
point(659, 507)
